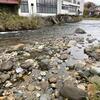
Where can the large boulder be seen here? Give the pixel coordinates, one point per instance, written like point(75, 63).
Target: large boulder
point(72, 93)
point(80, 31)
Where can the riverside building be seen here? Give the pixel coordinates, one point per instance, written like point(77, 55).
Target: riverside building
point(50, 7)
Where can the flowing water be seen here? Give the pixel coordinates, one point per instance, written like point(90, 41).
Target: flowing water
point(90, 26)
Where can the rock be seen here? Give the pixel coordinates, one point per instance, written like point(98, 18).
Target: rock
point(27, 64)
point(1, 92)
point(45, 97)
point(95, 69)
point(4, 77)
point(97, 50)
point(72, 93)
point(3, 98)
point(96, 80)
point(80, 31)
point(9, 94)
point(38, 95)
point(41, 47)
point(44, 64)
point(2, 29)
point(40, 78)
point(26, 54)
point(43, 73)
point(18, 47)
point(18, 95)
point(56, 93)
point(78, 53)
point(53, 79)
point(44, 85)
point(90, 40)
point(31, 87)
point(6, 65)
point(91, 91)
point(8, 84)
point(71, 43)
point(38, 88)
point(93, 52)
point(63, 56)
point(53, 85)
point(82, 87)
point(19, 70)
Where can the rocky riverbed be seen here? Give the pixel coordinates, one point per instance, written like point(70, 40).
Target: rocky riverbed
point(63, 68)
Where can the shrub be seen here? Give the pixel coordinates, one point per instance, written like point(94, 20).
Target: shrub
point(15, 22)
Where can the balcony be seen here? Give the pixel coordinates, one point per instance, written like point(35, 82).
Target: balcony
point(9, 1)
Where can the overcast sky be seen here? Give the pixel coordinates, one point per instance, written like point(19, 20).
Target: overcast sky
point(95, 1)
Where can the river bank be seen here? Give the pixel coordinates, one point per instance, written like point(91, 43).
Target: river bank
point(91, 18)
point(50, 68)
point(9, 22)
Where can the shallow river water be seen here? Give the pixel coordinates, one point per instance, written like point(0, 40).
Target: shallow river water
point(90, 26)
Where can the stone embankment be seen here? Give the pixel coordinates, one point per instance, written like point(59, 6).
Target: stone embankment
point(60, 69)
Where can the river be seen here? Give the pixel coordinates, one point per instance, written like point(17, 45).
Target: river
point(90, 26)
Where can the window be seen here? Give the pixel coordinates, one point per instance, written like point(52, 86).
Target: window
point(72, 8)
point(46, 6)
point(24, 6)
point(69, 0)
point(78, 3)
point(74, 1)
point(64, 7)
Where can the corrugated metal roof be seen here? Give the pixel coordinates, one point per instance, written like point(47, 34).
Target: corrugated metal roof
point(9, 1)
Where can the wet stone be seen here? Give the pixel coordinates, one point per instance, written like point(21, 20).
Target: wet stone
point(80, 31)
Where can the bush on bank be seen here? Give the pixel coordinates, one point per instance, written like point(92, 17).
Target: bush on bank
point(11, 22)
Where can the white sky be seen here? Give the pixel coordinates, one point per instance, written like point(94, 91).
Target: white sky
point(95, 1)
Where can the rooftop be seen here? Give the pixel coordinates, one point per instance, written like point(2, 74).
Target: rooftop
point(9, 1)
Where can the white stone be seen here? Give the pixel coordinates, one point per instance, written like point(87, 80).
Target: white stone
point(71, 43)
point(81, 86)
point(8, 84)
point(38, 95)
point(19, 70)
point(43, 73)
point(41, 47)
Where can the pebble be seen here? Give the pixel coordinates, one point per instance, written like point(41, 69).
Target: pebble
point(31, 87)
point(19, 70)
point(38, 95)
point(53, 79)
point(43, 73)
point(82, 87)
point(8, 84)
point(53, 85)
